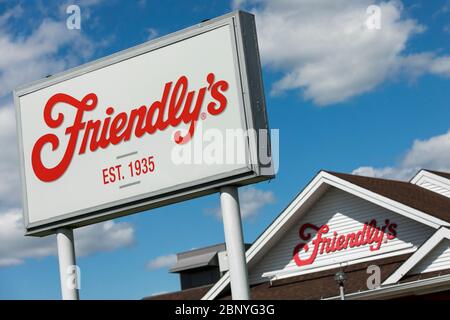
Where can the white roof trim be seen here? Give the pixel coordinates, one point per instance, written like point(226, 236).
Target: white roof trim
point(430, 244)
point(422, 286)
point(280, 274)
point(437, 179)
point(268, 234)
point(385, 202)
point(321, 179)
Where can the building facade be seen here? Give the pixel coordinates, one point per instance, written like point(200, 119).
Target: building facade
point(390, 238)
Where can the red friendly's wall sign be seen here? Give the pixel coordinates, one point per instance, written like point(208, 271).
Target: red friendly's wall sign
point(371, 235)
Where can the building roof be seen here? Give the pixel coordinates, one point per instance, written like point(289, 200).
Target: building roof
point(321, 284)
point(194, 262)
point(188, 294)
point(419, 204)
point(439, 173)
point(404, 192)
point(198, 258)
point(318, 285)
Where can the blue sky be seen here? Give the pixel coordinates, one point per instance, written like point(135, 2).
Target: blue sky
point(344, 99)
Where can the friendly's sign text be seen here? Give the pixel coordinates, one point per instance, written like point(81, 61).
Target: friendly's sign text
point(97, 142)
point(371, 235)
point(183, 106)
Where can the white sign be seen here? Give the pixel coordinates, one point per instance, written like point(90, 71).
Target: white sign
point(140, 129)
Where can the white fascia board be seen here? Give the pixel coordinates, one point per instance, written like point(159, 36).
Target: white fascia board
point(419, 175)
point(279, 274)
point(385, 202)
point(426, 248)
point(429, 176)
point(384, 292)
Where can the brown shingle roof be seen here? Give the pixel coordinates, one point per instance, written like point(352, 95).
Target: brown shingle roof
point(188, 294)
point(404, 192)
point(439, 173)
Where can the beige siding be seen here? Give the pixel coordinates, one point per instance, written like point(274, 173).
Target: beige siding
point(344, 213)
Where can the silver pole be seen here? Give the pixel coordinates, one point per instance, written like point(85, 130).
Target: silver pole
point(341, 290)
point(234, 241)
point(67, 265)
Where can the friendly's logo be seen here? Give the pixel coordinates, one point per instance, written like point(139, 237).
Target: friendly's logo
point(183, 106)
point(370, 234)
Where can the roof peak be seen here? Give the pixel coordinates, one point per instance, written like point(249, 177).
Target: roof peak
point(337, 174)
point(406, 193)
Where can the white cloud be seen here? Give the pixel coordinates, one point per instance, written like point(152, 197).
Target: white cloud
point(25, 59)
point(15, 248)
point(14, 12)
point(433, 153)
point(86, 6)
point(440, 66)
point(101, 237)
point(251, 201)
point(152, 33)
point(50, 48)
point(166, 261)
point(325, 50)
point(9, 171)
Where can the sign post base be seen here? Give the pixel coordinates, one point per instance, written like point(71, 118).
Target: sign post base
point(234, 240)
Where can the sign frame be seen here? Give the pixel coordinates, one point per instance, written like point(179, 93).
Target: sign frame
point(247, 66)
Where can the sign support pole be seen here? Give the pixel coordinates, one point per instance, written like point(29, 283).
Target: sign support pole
point(234, 240)
point(67, 265)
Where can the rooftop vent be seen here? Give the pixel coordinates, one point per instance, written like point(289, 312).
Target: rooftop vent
point(201, 267)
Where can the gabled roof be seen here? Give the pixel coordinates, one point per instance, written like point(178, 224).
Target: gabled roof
point(404, 192)
point(430, 244)
point(406, 199)
point(439, 173)
point(435, 177)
